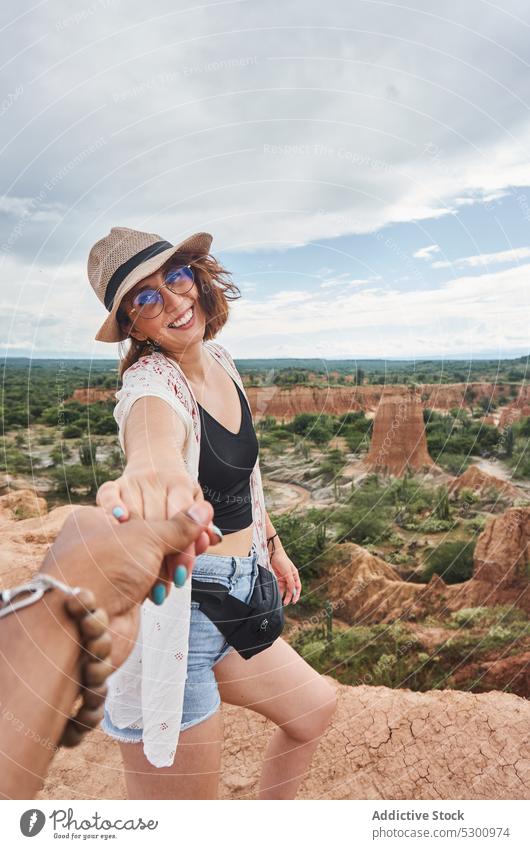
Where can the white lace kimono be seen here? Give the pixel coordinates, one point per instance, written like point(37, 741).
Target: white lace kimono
point(147, 691)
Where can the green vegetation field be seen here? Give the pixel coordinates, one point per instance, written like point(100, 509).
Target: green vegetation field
point(67, 449)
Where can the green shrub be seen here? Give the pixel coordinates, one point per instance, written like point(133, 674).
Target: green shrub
point(456, 464)
point(331, 465)
point(468, 496)
point(72, 432)
point(280, 433)
point(60, 452)
point(46, 439)
point(304, 538)
point(317, 427)
point(266, 423)
point(477, 524)
point(361, 527)
point(453, 561)
point(469, 617)
point(432, 525)
point(77, 477)
point(18, 462)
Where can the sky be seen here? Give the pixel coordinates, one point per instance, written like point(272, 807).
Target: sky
point(362, 166)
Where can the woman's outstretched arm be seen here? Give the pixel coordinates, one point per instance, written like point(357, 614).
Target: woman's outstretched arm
point(155, 483)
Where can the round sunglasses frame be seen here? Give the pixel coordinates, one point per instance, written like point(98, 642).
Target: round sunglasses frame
point(166, 285)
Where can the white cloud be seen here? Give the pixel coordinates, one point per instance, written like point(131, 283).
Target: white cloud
point(341, 281)
point(467, 314)
point(57, 311)
point(289, 131)
point(280, 135)
point(426, 253)
point(483, 260)
point(289, 296)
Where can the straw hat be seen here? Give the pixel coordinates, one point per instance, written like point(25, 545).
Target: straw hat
point(117, 262)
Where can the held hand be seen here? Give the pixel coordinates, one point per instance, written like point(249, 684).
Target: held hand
point(154, 495)
point(148, 493)
point(120, 563)
point(287, 575)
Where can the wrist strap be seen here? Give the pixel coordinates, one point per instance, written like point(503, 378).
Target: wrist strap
point(36, 587)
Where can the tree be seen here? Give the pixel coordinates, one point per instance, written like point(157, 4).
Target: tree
point(302, 423)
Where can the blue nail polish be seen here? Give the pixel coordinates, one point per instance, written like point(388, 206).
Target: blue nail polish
point(179, 578)
point(118, 512)
point(217, 530)
point(159, 593)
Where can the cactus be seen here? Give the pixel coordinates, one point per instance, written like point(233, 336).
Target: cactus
point(329, 620)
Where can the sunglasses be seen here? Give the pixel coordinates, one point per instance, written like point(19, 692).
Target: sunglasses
point(149, 302)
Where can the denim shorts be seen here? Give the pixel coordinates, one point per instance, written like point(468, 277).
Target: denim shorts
point(206, 646)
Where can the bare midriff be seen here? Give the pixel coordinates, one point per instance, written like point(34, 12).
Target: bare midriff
point(237, 543)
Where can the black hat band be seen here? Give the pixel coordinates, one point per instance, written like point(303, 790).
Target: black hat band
point(123, 270)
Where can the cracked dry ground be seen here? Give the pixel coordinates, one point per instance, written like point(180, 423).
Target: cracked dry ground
point(382, 744)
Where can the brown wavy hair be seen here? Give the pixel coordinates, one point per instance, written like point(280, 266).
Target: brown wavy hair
point(215, 289)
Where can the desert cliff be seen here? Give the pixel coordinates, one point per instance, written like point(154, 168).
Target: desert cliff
point(365, 589)
point(285, 403)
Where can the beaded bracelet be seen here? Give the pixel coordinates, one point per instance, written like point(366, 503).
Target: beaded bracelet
point(95, 669)
point(96, 645)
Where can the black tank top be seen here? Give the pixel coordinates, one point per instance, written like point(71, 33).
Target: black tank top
point(226, 461)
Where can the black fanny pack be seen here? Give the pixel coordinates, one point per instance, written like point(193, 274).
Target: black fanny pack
point(251, 627)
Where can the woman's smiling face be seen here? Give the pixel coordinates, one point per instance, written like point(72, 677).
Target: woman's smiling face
point(167, 329)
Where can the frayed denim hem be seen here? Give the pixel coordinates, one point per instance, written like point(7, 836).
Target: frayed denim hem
point(124, 735)
point(129, 735)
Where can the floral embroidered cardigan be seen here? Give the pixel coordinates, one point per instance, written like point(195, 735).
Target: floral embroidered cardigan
point(147, 691)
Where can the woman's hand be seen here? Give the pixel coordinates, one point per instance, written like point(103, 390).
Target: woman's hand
point(154, 495)
point(287, 575)
point(148, 493)
point(120, 563)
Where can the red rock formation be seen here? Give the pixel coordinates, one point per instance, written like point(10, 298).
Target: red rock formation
point(93, 395)
point(364, 589)
point(501, 673)
point(22, 504)
point(517, 408)
point(502, 550)
point(479, 481)
point(398, 438)
point(336, 400)
point(286, 403)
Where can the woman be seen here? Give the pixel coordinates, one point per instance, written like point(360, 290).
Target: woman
point(183, 418)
